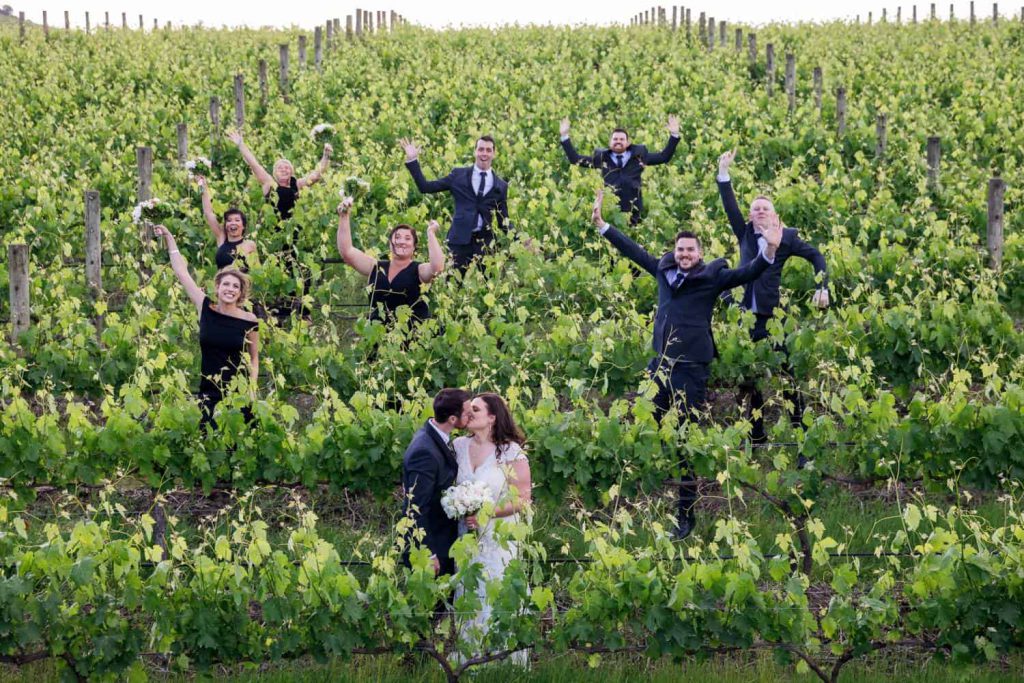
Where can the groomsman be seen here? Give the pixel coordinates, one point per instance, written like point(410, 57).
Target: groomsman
point(481, 200)
point(428, 468)
point(683, 346)
point(623, 163)
point(761, 297)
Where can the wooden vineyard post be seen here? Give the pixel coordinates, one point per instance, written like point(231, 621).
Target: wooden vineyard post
point(18, 288)
point(318, 48)
point(93, 251)
point(752, 48)
point(67, 20)
point(214, 126)
point(348, 28)
point(330, 34)
point(264, 86)
point(182, 143)
point(21, 26)
point(239, 101)
point(881, 125)
point(841, 111)
point(302, 51)
point(86, 23)
point(996, 190)
point(283, 76)
point(144, 189)
point(791, 81)
point(934, 161)
point(46, 27)
point(817, 89)
point(770, 76)
point(739, 40)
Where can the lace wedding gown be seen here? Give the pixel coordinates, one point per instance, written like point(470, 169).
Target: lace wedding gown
point(494, 555)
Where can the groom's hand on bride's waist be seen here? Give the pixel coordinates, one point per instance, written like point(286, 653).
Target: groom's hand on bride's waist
point(436, 564)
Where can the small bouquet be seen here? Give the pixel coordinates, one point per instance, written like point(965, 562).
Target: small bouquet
point(198, 166)
point(354, 187)
point(321, 133)
point(465, 499)
point(151, 211)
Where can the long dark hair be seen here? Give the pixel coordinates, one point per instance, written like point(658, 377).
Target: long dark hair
point(504, 430)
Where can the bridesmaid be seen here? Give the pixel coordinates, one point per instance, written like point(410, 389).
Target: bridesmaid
point(394, 282)
point(231, 241)
point(225, 329)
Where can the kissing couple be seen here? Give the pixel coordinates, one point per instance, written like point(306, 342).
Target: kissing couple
point(491, 454)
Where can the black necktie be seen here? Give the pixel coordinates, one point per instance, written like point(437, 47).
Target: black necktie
point(618, 160)
point(483, 184)
point(678, 282)
point(451, 449)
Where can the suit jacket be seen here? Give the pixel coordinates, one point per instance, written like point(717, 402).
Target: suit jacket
point(428, 468)
point(682, 324)
point(493, 206)
point(766, 287)
point(625, 181)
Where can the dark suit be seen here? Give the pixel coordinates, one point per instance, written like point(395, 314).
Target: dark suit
point(464, 243)
point(762, 296)
point(428, 468)
point(765, 289)
point(625, 181)
point(682, 342)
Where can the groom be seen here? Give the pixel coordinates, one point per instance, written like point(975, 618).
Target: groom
point(428, 468)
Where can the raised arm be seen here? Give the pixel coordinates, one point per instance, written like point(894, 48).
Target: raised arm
point(354, 257)
point(264, 178)
point(317, 173)
point(208, 213)
point(627, 247)
point(412, 162)
point(428, 271)
point(732, 209)
point(252, 337)
point(665, 155)
point(180, 268)
point(811, 253)
point(571, 154)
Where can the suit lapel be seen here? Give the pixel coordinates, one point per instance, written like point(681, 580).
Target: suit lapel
point(446, 454)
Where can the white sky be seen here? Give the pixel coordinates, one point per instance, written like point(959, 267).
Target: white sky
point(468, 12)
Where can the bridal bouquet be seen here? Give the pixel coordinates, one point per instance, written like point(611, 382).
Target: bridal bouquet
point(198, 166)
point(151, 211)
point(321, 133)
point(465, 499)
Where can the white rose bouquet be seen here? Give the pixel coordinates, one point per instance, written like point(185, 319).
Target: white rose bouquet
point(355, 187)
point(151, 211)
point(321, 133)
point(465, 499)
point(198, 166)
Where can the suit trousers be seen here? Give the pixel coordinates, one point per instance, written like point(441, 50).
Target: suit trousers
point(750, 388)
point(683, 385)
point(463, 255)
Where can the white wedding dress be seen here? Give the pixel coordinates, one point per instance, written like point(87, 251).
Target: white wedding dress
point(493, 554)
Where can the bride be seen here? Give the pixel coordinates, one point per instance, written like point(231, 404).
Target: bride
point(493, 455)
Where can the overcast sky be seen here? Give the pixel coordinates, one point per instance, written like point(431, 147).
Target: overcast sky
point(470, 12)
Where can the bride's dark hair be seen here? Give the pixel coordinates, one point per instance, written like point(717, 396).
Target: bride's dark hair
point(504, 430)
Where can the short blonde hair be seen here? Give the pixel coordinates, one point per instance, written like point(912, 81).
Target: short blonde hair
point(284, 161)
point(243, 279)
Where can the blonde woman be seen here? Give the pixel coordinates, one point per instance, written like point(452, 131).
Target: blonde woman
point(225, 329)
point(283, 181)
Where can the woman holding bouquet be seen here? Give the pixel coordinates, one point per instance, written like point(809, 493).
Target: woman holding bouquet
point(230, 236)
point(225, 329)
point(396, 281)
point(283, 182)
point(494, 456)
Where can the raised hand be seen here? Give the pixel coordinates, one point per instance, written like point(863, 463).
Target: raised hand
point(345, 206)
point(563, 127)
point(235, 136)
point(772, 232)
point(412, 152)
point(200, 181)
point(328, 150)
point(820, 298)
point(433, 227)
point(725, 161)
point(673, 125)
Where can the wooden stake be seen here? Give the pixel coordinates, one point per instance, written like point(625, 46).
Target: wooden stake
point(18, 287)
point(791, 80)
point(841, 111)
point(817, 89)
point(739, 40)
point(239, 101)
point(934, 160)
point(93, 250)
point(880, 135)
point(996, 190)
point(214, 126)
point(302, 51)
point(46, 27)
point(770, 52)
point(318, 48)
point(67, 20)
point(752, 48)
point(283, 75)
point(144, 161)
point(264, 85)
